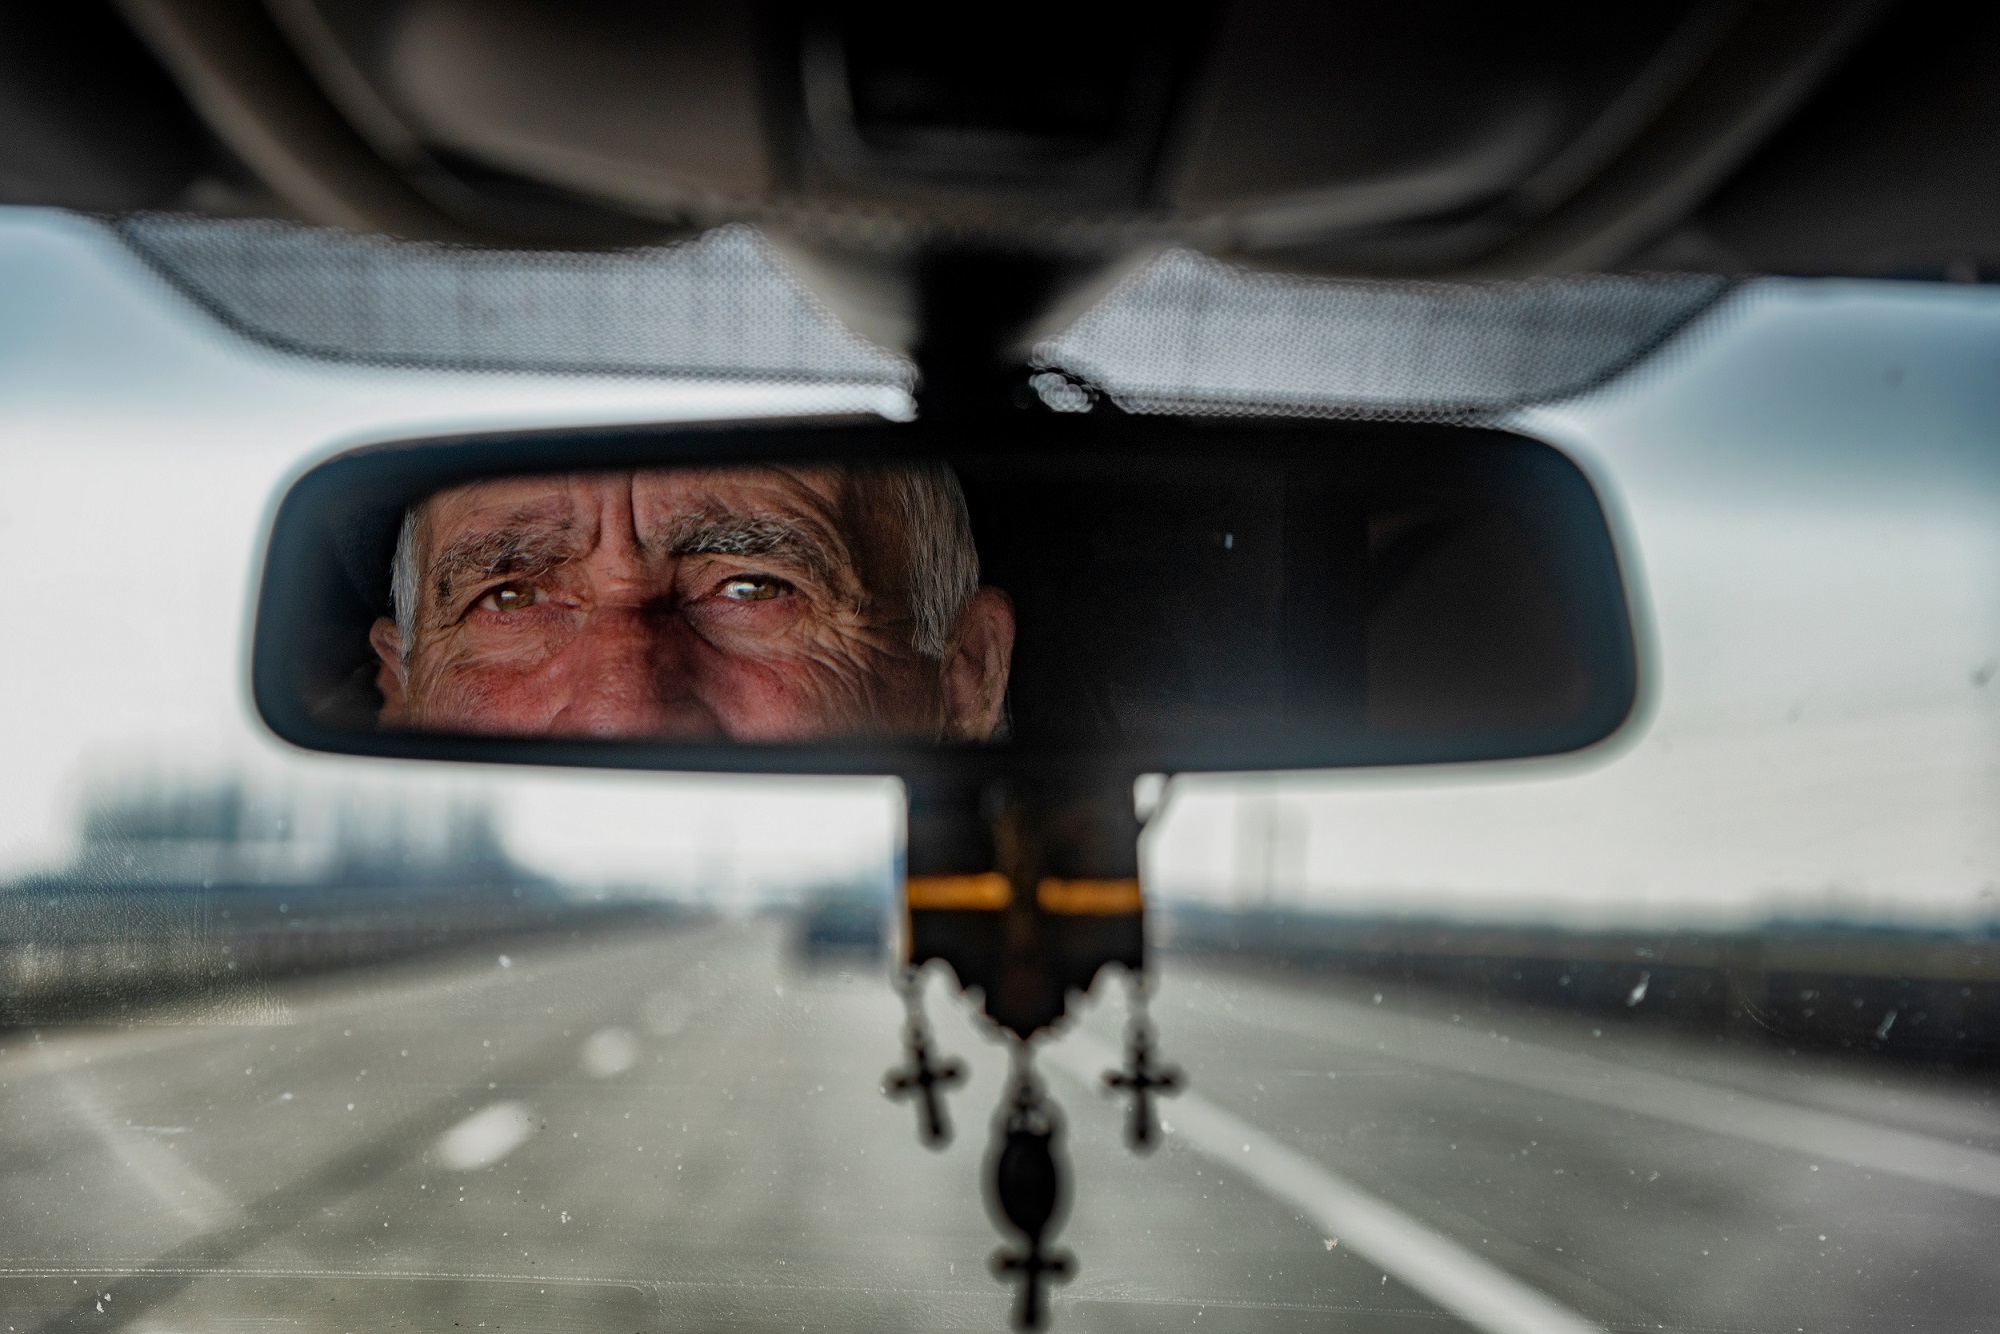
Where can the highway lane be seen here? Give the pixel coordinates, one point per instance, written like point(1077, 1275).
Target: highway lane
point(1632, 1175)
point(681, 1129)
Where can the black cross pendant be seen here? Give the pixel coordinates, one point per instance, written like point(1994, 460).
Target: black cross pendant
point(1033, 1268)
point(926, 1082)
point(1143, 1080)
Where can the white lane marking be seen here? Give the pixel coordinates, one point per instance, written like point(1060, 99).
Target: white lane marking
point(485, 1137)
point(1471, 1288)
point(1711, 1108)
point(608, 1052)
point(162, 1173)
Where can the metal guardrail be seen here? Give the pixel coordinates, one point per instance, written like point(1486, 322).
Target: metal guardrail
point(125, 954)
point(1932, 995)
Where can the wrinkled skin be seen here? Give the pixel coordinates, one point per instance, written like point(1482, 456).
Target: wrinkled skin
point(749, 603)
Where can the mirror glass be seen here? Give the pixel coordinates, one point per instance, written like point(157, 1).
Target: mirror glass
point(1244, 593)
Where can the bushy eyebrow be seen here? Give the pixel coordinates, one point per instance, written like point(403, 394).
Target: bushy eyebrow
point(723, 533)
point(523, 546)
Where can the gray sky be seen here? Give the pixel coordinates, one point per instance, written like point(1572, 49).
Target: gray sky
point(1807, 489)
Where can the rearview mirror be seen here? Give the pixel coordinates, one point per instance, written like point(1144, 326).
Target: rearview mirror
point(1128, 593)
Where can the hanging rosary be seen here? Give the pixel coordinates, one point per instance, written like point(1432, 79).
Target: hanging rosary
point(1026, 1190)
point(1026, 886)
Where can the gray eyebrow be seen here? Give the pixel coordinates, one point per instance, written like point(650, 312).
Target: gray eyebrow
point(514, 549)
point(531, 544)
point(720, 533)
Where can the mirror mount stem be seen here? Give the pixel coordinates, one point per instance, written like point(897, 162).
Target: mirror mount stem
point(972, 307)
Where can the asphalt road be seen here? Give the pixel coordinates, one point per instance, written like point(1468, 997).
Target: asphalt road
point(683, 1130)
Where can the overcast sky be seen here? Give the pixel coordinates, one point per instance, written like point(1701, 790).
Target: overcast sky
point(1806, 487)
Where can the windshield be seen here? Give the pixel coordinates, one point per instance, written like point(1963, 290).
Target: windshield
point(1693, 1031)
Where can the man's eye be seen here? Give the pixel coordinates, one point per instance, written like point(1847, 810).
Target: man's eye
point(510, 597)
point(752, 588)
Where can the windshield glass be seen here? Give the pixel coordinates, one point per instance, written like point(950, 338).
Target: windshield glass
point(1692, 1031)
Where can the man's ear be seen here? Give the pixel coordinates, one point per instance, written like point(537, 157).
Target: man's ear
point(975, 675)
point(389, 679)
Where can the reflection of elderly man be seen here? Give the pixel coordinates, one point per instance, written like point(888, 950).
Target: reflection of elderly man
point(754, 603)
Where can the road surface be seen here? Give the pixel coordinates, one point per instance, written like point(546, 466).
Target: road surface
point(683, 1129)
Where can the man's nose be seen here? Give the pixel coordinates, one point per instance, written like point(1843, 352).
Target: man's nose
point(629, 672)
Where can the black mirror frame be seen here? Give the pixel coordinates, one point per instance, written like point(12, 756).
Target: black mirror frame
point(399, 470)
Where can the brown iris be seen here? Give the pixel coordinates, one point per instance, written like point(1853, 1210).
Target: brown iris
point(511, 597)
point(752, 588)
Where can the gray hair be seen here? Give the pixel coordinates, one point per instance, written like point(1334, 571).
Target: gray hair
point(929, 509)
point(927, 505)
point(403, 579)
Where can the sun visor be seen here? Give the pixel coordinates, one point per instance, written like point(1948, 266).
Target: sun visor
point(1186, 334)
point(723, 305)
